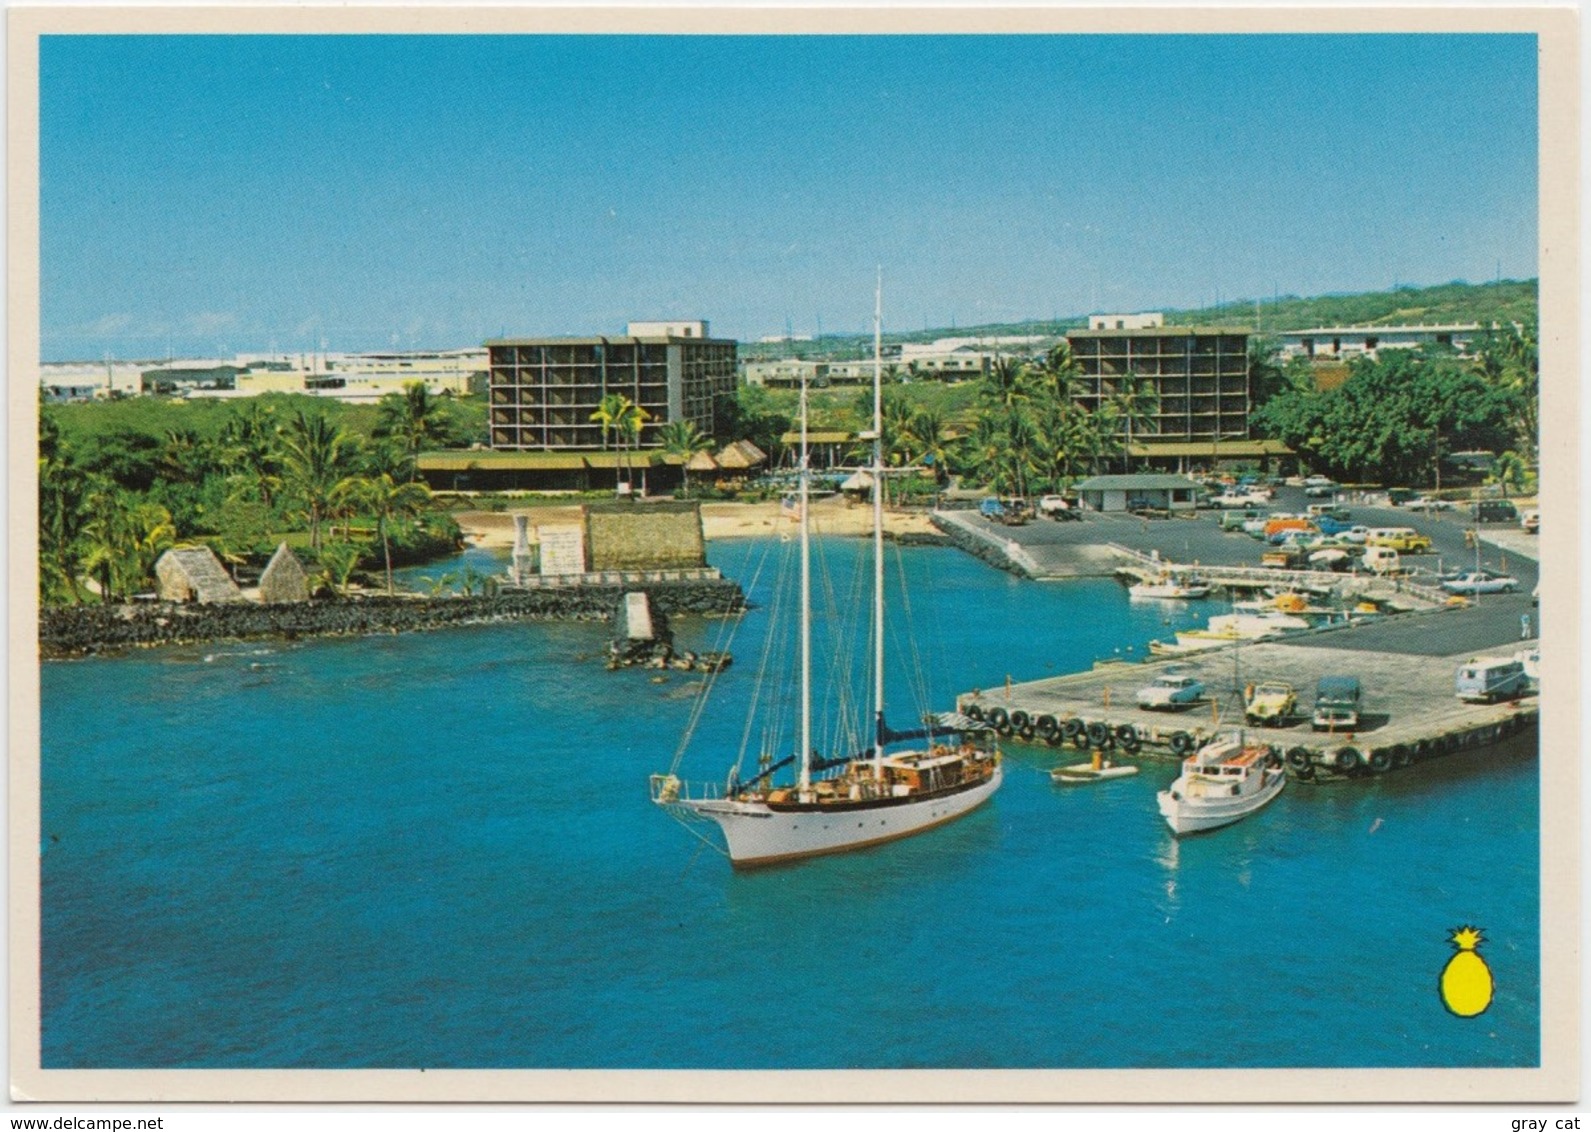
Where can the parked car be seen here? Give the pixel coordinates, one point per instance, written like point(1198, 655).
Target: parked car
point(1270, 703)
point(1426, 503)
point(1486, 679)
point(991, 509)
point(1406, 540)
point(1318, 481)
point(1321, 491)
point(1530, 522)
point(1398, 496)
point(1336, 704)
point(1355, 534)
point(1494, 511)
point(1170, 691)
point(1382, 560)
point(1059, 507)
point(1334, 511)
point(1234, 520)
point(1481, 582)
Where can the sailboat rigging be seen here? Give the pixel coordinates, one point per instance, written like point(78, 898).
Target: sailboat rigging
point(875, 795)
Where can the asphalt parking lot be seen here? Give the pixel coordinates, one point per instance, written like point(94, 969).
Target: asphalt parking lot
point(1490, 621)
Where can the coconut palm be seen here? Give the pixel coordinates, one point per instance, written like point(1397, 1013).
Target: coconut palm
point(415, 419)
point(929, 442)
point(337, 561)
point(684, 440)
point(389, 501)
point(1509, 471)
point(1134, 402)
point(317, 456)
point(617, 414)
point(250, 447)
point(122, 538)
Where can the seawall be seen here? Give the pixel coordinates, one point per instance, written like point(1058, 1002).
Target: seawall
point(67, 631)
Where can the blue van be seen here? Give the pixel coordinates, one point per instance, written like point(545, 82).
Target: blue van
point(1487, 679)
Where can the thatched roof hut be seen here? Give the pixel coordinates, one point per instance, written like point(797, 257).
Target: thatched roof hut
point(284, 579)
point(741, 456)
point(194, 574)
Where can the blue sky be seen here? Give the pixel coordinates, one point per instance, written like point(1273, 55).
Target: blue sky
point(217, 194)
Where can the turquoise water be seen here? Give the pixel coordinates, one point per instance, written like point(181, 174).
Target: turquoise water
point(437, 850)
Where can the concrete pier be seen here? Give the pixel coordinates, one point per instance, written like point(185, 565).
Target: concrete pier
point(1408, 714)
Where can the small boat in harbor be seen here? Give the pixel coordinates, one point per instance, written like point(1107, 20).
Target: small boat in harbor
point(852, 799)
point(1098, 769)
point(1224, 781)
point(1170, 589)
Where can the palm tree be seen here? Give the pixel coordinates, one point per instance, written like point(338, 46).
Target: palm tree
point(414, 418)
point(122, 539)
point(337, 561)
point(1134, 402)
point(390, 500)
point(618, 414)
point(316, 457)
point(251, 447)
point(929, 442)
point(684, 440)
point(1509, 471)
point(64, 489)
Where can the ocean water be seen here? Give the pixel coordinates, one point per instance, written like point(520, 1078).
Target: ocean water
point(438, 850)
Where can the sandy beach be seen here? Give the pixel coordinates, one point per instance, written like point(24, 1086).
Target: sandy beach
point(831, 516)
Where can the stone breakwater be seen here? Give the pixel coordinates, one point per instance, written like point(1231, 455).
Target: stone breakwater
point(68, 631)
point(979, 546)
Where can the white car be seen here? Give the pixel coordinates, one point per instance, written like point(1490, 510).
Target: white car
point(1424, 503)
point(1170, 691)
point(1481, 583)
point(1355, 535)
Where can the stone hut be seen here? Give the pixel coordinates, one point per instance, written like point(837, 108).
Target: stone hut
point(645, 536)
point(194, 574)
point(284, 579)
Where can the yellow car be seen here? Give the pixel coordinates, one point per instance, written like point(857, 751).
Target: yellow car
point(1271, 703)
point(1405, 540)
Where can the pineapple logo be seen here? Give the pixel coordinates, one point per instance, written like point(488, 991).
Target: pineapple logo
point(1466, 980)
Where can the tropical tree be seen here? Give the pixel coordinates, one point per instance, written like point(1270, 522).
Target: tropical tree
point(1509, 471)
point(1133, 403)
point(929, 442)
point(250, 447)
point(415, 419)
point(390, 501)
point(63, 514)
point(336, 563)
point(123, 537)
point(317, 456)
point(617, 414)
point(682, 439)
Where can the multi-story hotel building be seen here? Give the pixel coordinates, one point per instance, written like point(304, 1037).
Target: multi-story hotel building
point(543, 392)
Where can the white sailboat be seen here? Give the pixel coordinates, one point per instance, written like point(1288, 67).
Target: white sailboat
point(835, 805)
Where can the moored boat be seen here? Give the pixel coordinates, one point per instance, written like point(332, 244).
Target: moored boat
point(850, 801)
point(1224, 781)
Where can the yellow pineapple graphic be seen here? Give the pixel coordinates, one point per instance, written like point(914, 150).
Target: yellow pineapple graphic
point(1466, 980)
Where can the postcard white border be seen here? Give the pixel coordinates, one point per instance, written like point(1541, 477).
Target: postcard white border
point(1557, 1079)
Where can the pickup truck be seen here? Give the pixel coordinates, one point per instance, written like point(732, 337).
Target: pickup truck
point(1283, 557)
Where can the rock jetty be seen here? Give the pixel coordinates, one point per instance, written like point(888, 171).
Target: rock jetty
point(84, 630)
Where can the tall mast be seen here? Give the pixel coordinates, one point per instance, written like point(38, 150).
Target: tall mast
point(878, 528)
point(805, 786)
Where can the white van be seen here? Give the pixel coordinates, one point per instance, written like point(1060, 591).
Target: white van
point(1382, 560)
point(1483, 679)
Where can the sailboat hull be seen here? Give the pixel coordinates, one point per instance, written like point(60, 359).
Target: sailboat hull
point(757, 834)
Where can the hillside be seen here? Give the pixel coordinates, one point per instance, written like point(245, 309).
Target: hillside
point(1506, 301)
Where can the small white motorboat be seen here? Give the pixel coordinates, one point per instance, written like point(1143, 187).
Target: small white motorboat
point(1171, 587)
point(1097, 770)
point(1224, 781)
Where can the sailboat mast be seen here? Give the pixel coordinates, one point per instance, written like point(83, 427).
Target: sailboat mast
point(806, 609)
point(878, 528)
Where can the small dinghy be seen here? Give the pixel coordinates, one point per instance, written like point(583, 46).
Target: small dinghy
point(1097, 770)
